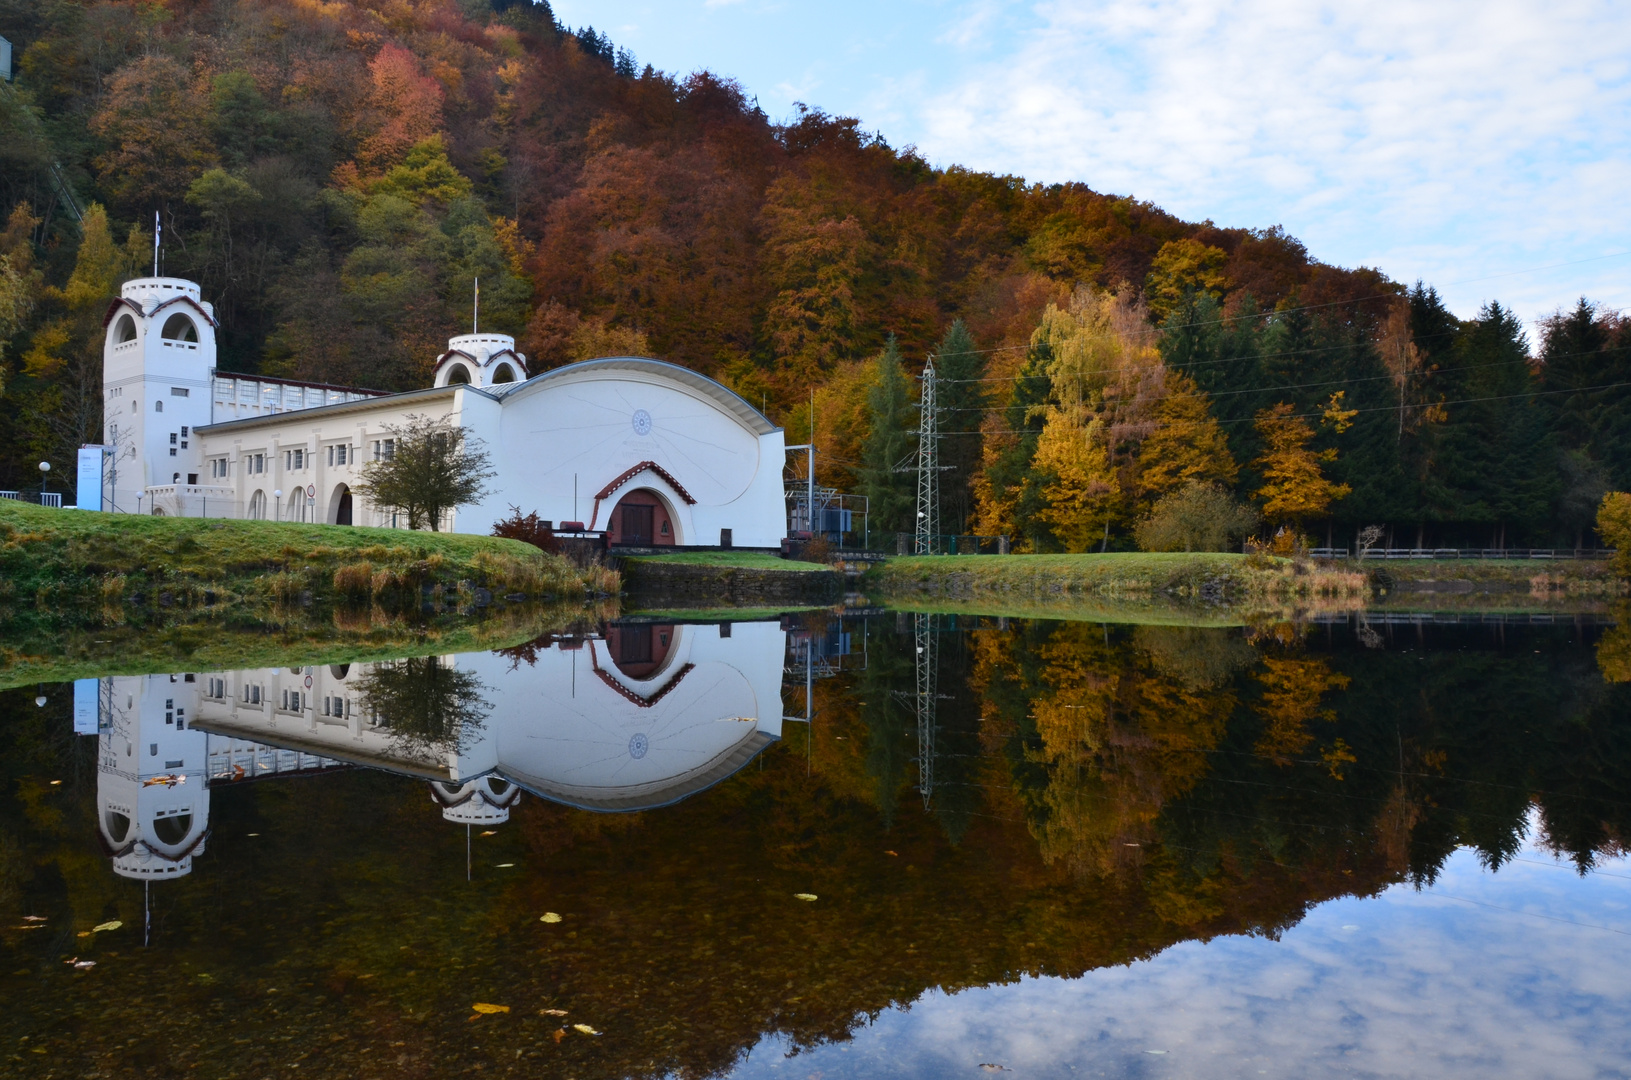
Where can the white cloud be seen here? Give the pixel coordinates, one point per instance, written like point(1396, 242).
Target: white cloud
point(1410, 985)
point(1426, 138)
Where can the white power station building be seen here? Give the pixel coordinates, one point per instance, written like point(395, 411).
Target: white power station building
point(650, 452)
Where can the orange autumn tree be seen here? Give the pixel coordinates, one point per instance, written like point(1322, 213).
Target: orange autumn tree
point(1294, 488)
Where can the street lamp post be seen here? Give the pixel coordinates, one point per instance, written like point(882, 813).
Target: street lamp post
point(45, 475)
point(277, 497)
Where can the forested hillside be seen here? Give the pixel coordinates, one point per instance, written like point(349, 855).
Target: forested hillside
point(336, 174)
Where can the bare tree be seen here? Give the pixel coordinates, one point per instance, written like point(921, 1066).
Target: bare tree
point(426, 468)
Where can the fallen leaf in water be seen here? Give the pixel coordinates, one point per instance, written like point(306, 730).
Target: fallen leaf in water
point(31, 926)
point(252, 834)
point(111, 924)
point(54, 783)
point(560, 1033)
point(489, 832)
point(83, 933)
point(805, 896)
point(487, 1009)
point(585, 1028)
point(33, 918)
point(892, 853)
point(551, 1012)
point(503, 865)
point(84, 965)
point(549, 917)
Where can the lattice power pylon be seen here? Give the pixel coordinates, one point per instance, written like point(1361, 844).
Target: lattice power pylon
point(927, 686)
point(928, 470)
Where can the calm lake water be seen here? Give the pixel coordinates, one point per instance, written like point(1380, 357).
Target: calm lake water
point(879, 846)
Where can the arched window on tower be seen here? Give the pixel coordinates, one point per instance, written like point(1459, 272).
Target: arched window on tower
point(503, 373)
point(124, 330)
point(458, 374)
point(179, 327)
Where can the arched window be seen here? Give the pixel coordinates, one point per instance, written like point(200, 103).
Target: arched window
point(179, 328)
point(458, 373)
point(503, 373)
point(118, 826)
point(172, 830)
point(124, 330)
point(158, 406)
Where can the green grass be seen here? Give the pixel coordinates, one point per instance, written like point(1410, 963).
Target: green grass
point(1161, 579)
point(742, 560)
point(63, 655)
point(70, 564)
point(719, 615)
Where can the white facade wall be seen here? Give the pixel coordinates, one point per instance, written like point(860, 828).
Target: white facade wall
point(196, 443)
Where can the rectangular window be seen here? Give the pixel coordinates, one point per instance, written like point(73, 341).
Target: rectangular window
point(179, 391)
point(172, 451)
point(331, 455)
point(184, 431)
point(192, 478)
point(172, 438)
point(388, 450)
point(339, 454)
point(300, 459)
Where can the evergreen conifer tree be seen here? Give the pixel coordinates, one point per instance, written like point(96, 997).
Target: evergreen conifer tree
point(889, 444)
point(963, 398)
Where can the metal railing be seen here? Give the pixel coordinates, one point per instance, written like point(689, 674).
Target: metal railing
point(43, 498)
point(1463, 553)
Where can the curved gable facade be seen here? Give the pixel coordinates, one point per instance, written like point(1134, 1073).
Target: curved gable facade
point(576, 443)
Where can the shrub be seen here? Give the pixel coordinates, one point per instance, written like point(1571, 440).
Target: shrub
point(1197, 517)
point(354, 582)
point(1614, 526)
point(529, 529)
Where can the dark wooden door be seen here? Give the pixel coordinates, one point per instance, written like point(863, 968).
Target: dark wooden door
point(637, 523)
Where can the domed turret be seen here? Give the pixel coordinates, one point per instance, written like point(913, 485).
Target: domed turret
point(481, 360)
point(485, 800)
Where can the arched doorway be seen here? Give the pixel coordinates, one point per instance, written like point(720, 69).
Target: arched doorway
point(642, 518)
point(340, 506)
point(640, 651)
point(257, 506)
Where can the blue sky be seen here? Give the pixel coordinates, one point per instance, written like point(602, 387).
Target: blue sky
point(1519, 973)
point(1475, 144)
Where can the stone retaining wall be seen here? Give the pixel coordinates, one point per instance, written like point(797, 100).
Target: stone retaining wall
point(728, 585)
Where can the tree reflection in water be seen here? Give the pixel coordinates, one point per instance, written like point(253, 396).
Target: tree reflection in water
point(1100, 794)
point(431, 707)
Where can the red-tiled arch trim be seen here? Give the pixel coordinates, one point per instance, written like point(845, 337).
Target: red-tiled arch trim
point(630, 474)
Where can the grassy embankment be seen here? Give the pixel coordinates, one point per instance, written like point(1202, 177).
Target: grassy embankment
point(739, 560)
point(1225, 587)
point(65, 567)
point(1533, 579)
point(183, 644)
point(1154, 585)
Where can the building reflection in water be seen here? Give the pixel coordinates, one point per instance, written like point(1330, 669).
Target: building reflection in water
point(639, 716)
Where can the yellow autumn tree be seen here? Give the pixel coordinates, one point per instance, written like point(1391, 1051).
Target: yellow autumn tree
point(1183, 268)
point(1293, 690)
point(1186, 446)
point(1081, 492)
point(1294, 486)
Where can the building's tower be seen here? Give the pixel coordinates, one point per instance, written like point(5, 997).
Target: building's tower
point(483, 801)
point(158, 357)
point(152, 784)
point(482, 360)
